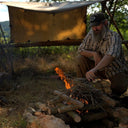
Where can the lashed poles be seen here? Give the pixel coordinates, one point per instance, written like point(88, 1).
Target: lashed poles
point(115, 24)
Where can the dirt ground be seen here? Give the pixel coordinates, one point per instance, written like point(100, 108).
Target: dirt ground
point(34, 81)
point(29, 89)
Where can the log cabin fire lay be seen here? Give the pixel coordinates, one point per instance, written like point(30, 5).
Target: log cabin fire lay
point(82, 104)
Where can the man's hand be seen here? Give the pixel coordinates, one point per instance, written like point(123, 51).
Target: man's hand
point(105, 61)
point(90, 75)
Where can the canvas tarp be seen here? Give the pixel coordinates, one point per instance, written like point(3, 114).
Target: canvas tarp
point(37, 22)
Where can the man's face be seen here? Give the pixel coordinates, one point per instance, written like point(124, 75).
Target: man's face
point(98, 32)
point(97, 29)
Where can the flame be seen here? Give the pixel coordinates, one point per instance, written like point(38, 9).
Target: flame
point(68, 86)
point(84, 101)
point(63, 77)
point(78, 111)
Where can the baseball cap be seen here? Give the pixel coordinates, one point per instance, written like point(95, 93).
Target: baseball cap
point(97, 18)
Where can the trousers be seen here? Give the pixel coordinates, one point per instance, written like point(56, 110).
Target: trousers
point(119, 82)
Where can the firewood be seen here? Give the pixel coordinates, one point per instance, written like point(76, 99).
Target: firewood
point(52, 110)
point(68, 99)
point(41, 106)
point(54, 101)
point(86, 90)
point(121, 114)
point(61, 108)
point(92, 107)
point(67, 108)
point(109, 101)
point(94, 116)
point(74, 116)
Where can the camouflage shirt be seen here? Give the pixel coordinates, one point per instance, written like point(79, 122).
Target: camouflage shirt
point(111, 44)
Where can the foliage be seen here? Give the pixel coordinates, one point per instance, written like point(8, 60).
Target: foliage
point(41, 51)
point(119, 10)
point(6, 29)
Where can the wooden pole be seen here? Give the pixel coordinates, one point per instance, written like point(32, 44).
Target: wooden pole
point(47, 43)
point(115, 24)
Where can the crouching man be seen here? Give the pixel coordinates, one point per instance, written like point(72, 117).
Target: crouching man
point(101, 55)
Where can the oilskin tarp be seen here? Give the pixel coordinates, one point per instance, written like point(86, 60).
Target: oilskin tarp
point(40, 22)
point(34, 26)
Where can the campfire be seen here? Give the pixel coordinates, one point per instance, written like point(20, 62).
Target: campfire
point(68, 84)
point(81, 102)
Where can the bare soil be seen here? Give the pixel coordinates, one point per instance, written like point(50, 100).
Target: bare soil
point(34, 81)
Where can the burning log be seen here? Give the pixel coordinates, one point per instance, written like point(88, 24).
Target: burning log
point(86, 91)
point(75, 102)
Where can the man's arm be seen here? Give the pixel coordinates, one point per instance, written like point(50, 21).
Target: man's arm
point(96, 56)
point(87, 53)
point(105, 61)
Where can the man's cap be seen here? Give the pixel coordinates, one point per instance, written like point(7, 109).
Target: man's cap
point(97, 18)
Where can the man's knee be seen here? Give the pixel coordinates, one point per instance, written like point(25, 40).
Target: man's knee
point(80, 59)
point(80, 66)
point(119, 83)
point(83, 65)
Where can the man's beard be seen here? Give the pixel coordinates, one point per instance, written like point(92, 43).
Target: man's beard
point(97, 37)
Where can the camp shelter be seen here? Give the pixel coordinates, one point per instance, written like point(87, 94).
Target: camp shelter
point(39, 23)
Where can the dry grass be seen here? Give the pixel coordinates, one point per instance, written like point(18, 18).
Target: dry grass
point(34, 81)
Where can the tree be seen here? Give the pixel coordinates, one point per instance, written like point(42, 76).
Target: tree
point(119, 11)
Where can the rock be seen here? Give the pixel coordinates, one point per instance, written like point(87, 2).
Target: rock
point(122, 115)
point(123, 125)
point(107, 123)
point(47, 121)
